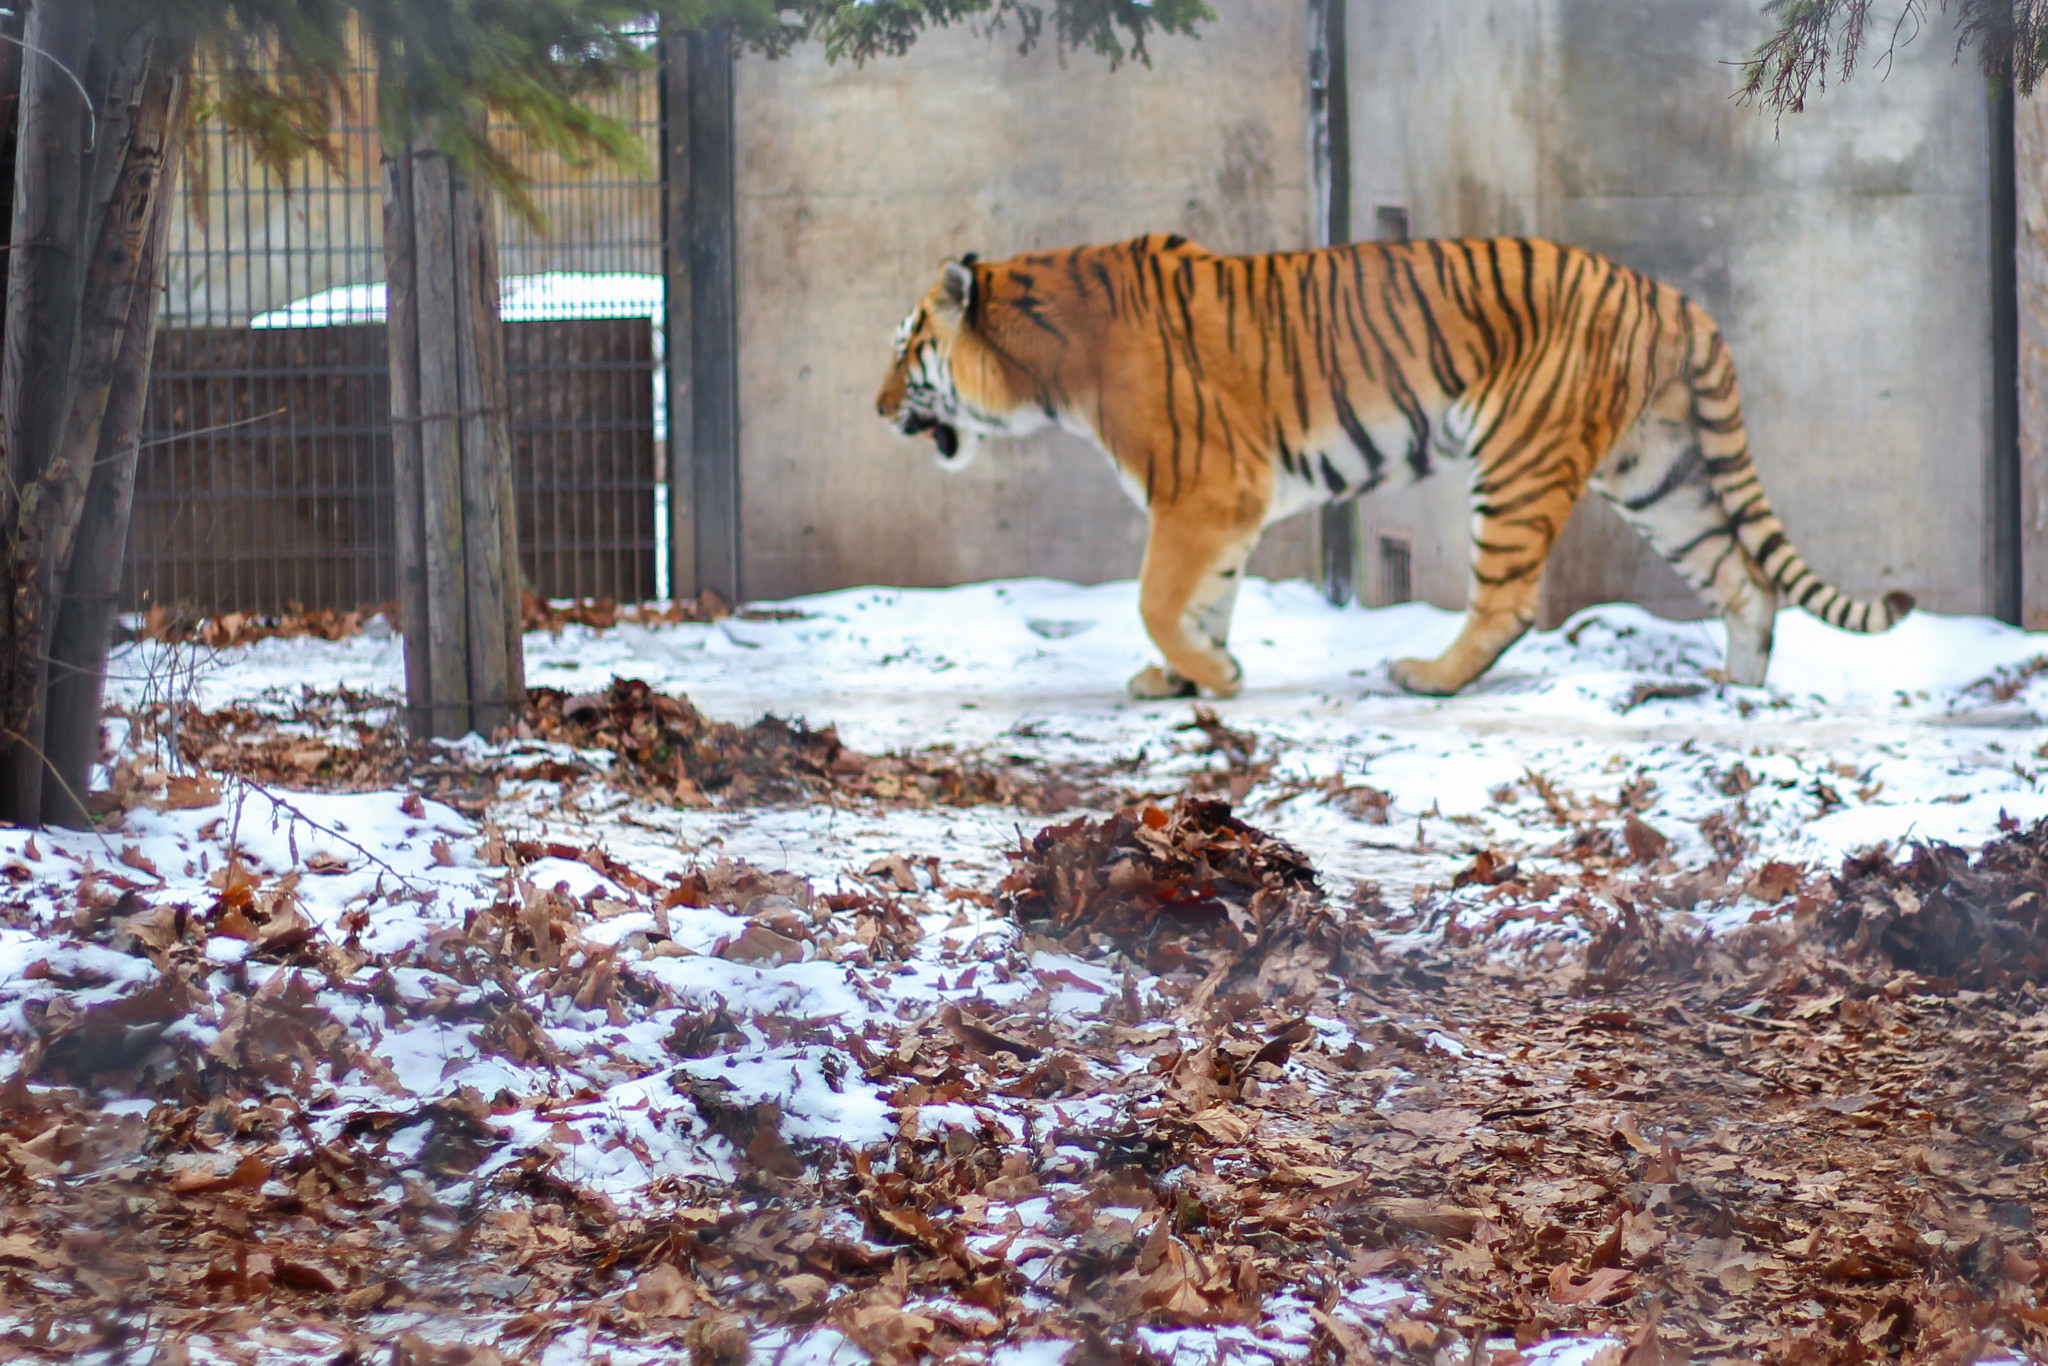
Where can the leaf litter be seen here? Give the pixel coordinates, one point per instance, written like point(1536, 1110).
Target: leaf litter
point(1787, 1147)
point(1164, 1089)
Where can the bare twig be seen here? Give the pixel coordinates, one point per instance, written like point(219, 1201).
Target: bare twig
point(294, 813)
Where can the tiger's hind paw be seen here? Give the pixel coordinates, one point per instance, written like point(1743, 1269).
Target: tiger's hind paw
point(1152, 683)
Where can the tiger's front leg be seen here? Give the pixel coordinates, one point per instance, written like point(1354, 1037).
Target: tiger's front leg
point(1186, 594)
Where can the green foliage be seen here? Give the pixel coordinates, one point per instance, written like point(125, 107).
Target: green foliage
point(446, 66)
point(2010, 38)
point(1115, 29)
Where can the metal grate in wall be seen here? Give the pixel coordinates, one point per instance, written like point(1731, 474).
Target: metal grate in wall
point(265, 477)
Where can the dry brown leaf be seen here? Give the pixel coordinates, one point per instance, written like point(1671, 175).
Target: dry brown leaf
point(1604, 1286)
point(759, 944)
point(663, 1290)
point(250, 1172)
point(1225, 1125)
point(190, 793)
point(21, 1249)
point(306, 1275)
point(1449, 1222)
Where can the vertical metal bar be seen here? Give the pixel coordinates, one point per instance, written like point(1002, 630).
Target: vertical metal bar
point(1329, 120)
point(2004, 480)
point(714, 333)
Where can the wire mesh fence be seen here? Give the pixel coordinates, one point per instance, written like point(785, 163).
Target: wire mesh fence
point(265, 475)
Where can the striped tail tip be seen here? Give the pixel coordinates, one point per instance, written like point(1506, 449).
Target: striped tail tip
point(1869, 618)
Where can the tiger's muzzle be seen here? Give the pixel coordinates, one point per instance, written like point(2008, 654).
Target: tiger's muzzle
point(944, 434)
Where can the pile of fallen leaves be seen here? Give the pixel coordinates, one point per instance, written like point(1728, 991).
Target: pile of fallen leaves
point(666, 745)
point(346, 741)
point(668, 749)
point(602, 614)
point(1189, 886)
point(245, 628)
point(334, 741)
point(1979, 923)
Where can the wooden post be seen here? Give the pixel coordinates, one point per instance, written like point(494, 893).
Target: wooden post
point(1329, 122)
point(714, 433)
point(677, 352)
point(459, 589)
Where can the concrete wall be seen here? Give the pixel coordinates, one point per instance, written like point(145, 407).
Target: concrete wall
point(2030, 163)
point(854, 183)
point(1845, 254)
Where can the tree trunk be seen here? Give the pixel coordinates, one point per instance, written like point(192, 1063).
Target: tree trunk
point(458, 558)
point(121, 304)
point(89, 196)
point(45, 287)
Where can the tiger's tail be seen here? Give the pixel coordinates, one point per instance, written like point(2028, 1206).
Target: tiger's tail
point(1724, 445)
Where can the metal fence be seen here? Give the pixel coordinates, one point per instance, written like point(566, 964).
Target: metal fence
point(265, 477)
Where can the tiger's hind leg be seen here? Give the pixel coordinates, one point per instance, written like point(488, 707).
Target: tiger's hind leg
point(1657, 479)
point(1187, 592)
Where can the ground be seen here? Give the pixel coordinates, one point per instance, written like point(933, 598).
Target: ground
point(1010, 1020)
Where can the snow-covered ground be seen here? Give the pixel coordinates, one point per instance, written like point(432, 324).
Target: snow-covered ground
point(1930, 731)
point(1855, 740)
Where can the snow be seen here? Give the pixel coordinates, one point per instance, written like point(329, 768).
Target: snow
point(1569, 1351)
point(1931, 731)
point(545, 297)
point(1908, 715)
point(973, 667)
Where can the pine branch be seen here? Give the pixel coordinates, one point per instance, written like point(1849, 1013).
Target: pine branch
point(2010, 38)
point(450, 67)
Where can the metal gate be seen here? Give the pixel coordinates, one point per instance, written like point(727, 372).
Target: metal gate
point(265, 474)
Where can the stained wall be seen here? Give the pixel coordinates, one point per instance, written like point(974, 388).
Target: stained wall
point(1844, 251)
point(854, 183)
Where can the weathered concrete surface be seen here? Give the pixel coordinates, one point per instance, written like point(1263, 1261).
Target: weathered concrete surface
point(2030, 161)
point(855, 183)
point(1845, 254)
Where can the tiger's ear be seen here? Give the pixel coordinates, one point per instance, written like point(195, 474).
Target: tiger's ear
point(956, 289)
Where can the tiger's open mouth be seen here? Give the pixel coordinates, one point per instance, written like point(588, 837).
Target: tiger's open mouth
point(944, 434)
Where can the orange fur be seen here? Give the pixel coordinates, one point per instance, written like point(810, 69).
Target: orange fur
point(1230, 391)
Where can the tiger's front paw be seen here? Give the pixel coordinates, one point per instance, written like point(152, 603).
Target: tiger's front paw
point(1152, 683)
point(1425, 676)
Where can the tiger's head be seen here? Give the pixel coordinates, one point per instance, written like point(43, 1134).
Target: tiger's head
point(947, 380)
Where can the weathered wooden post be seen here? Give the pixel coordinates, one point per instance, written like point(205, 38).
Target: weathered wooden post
point(1329, 118)
point(700, 246)
point(458, 558)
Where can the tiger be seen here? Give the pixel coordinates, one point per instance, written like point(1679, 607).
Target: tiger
point(1232, 391)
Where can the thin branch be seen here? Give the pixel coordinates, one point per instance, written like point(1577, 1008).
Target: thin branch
point(207, 431)
point(92, 126)
point(294, 813)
